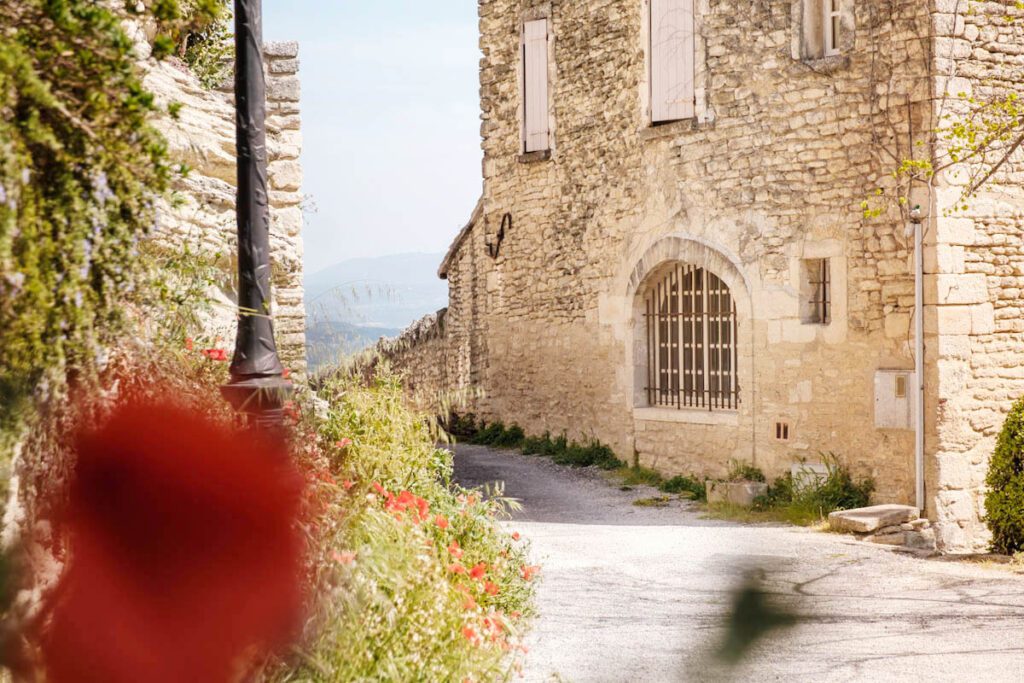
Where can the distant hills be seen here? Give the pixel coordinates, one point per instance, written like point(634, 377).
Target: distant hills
point(352, 304)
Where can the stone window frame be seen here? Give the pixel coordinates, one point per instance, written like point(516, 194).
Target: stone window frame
point(808, 34)
point(703, 114)
point(687, 248)
point(542, 11)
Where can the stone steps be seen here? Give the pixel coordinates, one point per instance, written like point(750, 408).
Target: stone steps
point(893, 525)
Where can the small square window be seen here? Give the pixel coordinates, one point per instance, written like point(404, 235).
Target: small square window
point(816, 292)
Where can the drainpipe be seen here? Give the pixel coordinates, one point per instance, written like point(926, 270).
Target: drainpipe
point(915, 219)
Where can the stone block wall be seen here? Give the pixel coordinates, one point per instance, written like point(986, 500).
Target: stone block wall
point(201, 215)
point(976, 276)
point(773, 169)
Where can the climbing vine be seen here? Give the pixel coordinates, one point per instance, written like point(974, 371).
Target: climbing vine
point(81, 169)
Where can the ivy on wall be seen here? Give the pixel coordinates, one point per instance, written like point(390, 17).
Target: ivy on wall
point(80, 170)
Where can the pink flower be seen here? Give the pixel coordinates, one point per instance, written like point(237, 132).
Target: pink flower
point(345, 557)
point(344, 443)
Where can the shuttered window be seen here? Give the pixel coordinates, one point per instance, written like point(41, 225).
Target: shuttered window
point(831, 23)
point(535, 86)
point(672, 60)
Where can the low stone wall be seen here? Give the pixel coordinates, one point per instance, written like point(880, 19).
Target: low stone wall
point(420, 355)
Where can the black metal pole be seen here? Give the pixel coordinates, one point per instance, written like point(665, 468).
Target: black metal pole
point(257, 387)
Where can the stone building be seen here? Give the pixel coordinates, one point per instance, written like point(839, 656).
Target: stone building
point(672, 253)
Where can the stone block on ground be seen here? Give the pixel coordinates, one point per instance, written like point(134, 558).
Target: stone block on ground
point(870, 519)
point(740, 493)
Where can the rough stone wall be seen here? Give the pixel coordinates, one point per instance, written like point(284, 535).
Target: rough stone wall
point(201, 216)
point(773, 169)
point(976, 276)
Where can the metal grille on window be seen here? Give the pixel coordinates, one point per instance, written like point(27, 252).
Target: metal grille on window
point(821, 288)
point(691, 341)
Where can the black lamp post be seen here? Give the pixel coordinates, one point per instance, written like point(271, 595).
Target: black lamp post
point(257, 387)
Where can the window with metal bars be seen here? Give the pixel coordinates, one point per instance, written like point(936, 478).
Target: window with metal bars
point(691, 341)
point(817, 292)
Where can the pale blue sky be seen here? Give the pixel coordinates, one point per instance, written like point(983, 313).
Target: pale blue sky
point(390, 121)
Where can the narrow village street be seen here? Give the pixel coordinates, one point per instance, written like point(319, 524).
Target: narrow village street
point(634, 593)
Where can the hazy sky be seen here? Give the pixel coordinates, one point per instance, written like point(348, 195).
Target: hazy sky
point(390, 120)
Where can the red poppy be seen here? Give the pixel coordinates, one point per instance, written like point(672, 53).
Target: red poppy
point(189, 344)
point(456, 568)
point(515, 536)
point(470, 635)
point(348, 484)
point(491, 588)
point(216, 354)
point(183, 550)
point(529, 572)
point(287, 373)
point(469, 603)
point(441, 521)
point(478, 571)
point(455, 550)
point(379, 489)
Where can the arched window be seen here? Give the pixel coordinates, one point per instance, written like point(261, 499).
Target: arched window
point(691, 341)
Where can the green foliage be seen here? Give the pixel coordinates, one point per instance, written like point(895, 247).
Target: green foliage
point(812, 501)
point(693, 487)
point(513, 437)
point(656, 502)
point(743, 471)
point(593, 454)
point(489, 434)
point(80, 167)
point(1004, 501)
point(209, 49)
point(639, 476)
point(395, 598)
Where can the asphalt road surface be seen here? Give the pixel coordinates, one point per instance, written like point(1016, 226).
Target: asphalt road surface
point(632, 593)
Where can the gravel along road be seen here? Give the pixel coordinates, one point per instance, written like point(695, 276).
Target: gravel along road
point(633, 593)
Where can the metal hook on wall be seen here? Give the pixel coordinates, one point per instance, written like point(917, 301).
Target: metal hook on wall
point(494, 248)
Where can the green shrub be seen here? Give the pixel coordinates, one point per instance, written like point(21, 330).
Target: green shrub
point(556, 447)
point(1004, 501)
point(536, 445)
point(637, 475)
point(592, 454)
point(813, 502)
point(743, 471)
point(696, 489)
point(488, 434)
point(513, 437)
point(462, 426)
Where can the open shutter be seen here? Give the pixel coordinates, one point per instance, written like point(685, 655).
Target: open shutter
point(535, 84)
point(672, 52)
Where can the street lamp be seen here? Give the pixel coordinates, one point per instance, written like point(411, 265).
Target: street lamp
point(257, 387)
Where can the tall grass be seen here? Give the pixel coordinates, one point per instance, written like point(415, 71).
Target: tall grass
point(396, 598)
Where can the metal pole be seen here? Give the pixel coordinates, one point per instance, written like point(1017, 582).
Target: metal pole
point(919, 417)
point(257, 387)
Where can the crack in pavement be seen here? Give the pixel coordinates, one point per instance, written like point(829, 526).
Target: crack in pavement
point(640, 594)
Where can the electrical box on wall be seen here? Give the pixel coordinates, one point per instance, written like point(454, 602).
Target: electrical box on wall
point(894, 399)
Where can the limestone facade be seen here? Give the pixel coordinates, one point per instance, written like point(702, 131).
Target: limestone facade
point(201, 214)
point(548, 281)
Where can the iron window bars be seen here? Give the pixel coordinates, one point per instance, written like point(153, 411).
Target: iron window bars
point(691, 341)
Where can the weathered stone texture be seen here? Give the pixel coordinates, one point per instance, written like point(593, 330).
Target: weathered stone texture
point(201, 216)
point(772, 170)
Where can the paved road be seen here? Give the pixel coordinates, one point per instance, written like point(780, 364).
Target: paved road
point(640, 594)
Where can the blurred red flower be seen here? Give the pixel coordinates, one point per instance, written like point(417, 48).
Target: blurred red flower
point(216, 354)
point(491, 588)
point(184, 556)
point(455, 550)
point(441, 521)
point(344, 443)
point(515, 536)
point(478, 571)
point(529, 572)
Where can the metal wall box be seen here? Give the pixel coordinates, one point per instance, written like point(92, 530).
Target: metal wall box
point(894, 399)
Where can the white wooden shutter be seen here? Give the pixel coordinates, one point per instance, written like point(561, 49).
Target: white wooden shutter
point(672, 53)
point(535, 84)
